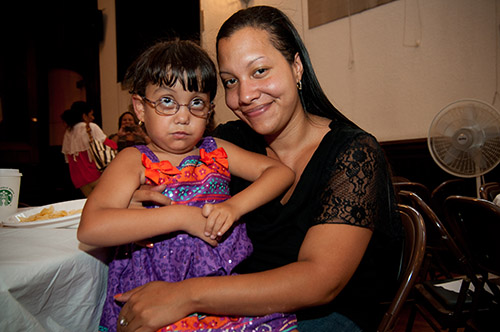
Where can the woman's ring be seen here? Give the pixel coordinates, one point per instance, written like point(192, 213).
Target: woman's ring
point(123, 322)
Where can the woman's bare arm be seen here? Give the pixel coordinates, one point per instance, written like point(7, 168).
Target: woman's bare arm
point(328, 257)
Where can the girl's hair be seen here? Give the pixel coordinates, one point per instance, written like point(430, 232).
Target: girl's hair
point(75, 114)
point(168, 62)
point(286, 39)
point(136, 121)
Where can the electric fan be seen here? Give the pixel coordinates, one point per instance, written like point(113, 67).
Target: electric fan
point(464, 139)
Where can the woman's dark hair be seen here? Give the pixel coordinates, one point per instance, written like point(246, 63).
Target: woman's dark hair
point(75, 114)
point(136, 120)
point(285, 39)
point(167, 62)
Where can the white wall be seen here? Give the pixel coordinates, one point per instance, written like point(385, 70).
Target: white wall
point(392, 90)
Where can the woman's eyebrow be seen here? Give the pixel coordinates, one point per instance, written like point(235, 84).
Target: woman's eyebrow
point(250, 63)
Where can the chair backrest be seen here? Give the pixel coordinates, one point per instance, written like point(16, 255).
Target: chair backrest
point(421, 190)
point(413, 255)
point(431, 220)
point(478, 222)
point(397, 178)
point(439, 243)
point(458, 186)
point(489, 191)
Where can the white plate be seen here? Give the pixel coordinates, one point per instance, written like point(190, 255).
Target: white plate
point(71, 221)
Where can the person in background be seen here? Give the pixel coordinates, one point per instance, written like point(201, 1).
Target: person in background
point(173, 85)
point(130, 132)
point(330, 249)
point(76, 148)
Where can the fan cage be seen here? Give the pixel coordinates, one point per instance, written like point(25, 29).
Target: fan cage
point(464, 138)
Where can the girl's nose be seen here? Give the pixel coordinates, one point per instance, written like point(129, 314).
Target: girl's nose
point(183, 115)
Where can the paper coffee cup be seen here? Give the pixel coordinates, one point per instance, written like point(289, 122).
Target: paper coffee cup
point(10, 181)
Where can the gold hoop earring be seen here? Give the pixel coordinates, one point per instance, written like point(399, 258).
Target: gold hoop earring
point(299, 85)
point(140, 123)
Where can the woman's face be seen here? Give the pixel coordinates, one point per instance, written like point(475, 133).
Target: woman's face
point(127, 121)
point(260, 84)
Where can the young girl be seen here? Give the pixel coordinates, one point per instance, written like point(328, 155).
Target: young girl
point(173, 85)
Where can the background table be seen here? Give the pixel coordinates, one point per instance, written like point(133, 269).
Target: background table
point(49, 281)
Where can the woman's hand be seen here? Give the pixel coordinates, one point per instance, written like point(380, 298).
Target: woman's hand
point(152, 306)
point(149, 194)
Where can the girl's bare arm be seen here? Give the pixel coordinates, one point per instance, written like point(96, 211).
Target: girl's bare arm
point(106, 220)
point(269, 178)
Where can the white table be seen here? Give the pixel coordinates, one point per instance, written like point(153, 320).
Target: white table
point(49, 281)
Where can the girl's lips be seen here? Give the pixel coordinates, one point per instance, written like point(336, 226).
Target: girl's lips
point(179, 134)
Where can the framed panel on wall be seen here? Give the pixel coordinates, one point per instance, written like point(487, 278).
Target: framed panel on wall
point(324, 11)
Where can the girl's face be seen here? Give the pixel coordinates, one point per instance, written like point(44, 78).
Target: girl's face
point(127, 121)
point(89, 117)
point(175, 134)
point(260, 84)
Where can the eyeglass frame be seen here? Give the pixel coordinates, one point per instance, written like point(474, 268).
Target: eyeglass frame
point(154, 104)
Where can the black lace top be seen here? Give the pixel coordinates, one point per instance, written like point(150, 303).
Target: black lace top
point(346, 181)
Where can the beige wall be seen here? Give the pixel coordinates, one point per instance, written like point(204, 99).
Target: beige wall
point(366, 63)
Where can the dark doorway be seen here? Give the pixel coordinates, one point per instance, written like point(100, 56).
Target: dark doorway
point(38, 37)
point(140, 24)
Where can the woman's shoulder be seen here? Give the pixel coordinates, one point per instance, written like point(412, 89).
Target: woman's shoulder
point(343, 137)
point(240, 134)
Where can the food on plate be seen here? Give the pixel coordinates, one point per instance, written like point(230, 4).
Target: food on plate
point(49, 213)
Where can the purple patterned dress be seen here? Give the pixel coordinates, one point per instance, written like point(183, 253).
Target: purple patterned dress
point(178, 256)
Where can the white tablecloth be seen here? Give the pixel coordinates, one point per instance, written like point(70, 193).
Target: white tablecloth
point(49, 281)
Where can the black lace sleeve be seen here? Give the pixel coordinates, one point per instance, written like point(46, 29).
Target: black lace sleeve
point(357, 179)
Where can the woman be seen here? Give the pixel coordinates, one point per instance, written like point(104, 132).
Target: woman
point(129, 132)
point(329, 248)
point(76, 148)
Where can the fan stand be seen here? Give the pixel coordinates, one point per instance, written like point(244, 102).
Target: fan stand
point(479, 183)
point(479, 178)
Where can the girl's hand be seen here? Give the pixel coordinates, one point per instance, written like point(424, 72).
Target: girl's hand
point(195, 225)
point(149, 194)
point(220, 218)
point(152, 306)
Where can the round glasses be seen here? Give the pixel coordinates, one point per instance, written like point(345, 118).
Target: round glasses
point(166, 106)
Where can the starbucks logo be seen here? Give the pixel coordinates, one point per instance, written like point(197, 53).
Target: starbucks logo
point(6, 196)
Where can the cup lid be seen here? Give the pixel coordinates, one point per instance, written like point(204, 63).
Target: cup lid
point(9, 172)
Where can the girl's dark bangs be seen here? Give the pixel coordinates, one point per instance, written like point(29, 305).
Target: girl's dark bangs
point(188, 78)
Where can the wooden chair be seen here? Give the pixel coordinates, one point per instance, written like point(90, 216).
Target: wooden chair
point(397, 178)
point(458, 186)
point(489, 191)
point(413, 254)
point(438, 263)
point(442, 309)
point(421, 190)
point(478, 222)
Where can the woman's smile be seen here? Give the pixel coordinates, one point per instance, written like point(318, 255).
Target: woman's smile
point(255, 111)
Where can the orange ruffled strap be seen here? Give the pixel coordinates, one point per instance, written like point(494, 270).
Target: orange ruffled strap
point(216, 156)
point(160, 171)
